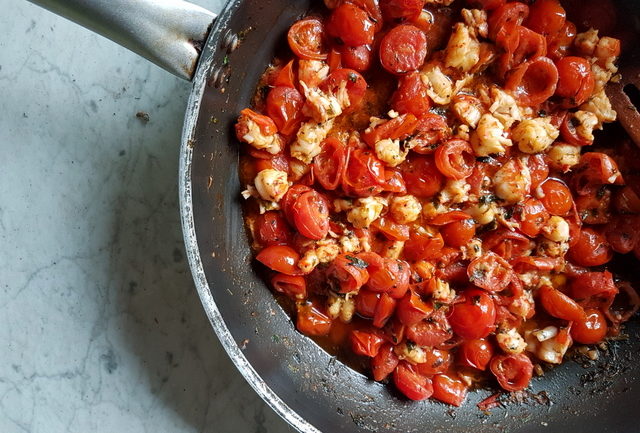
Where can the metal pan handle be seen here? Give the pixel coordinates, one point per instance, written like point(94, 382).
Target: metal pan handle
point(170, 33)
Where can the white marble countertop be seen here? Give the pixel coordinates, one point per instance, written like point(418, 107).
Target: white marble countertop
point(101, 329)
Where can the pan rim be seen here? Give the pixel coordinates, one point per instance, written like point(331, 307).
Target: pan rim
point(199, 84)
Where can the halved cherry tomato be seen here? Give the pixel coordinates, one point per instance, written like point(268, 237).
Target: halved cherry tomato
point(311, 215)
point(449, 389)
point(490, 272)
point(575, 81)
point(411, 309)
point(394, 9)
point(266, 125)
point(329, 165)
point(589, 284)
point(520, 45)
point(438, 361)
point(347, 273)
point(403, 49)
point(555, 196)
point(350, 25)
point(455, 158)
point(384, 363)
point(272, 229)
point(397, 128)
point(475, 353)
point(357, 58)
point(306, 39)
point(311, 320)
point(529, 263)
point(594, 208)
point(560, 305)
point(422, 176)
point(365, 343)
point(392, 276)
point(430, 131)
point(365, 174)
point(294, 286)
point(475, 316)
point(410, 383)
point(591, 329)
point(591, 249)
point(458, 233)
point(290, 198)
point(356, 86)
point(533, 82)
point(430, 332)
point(384, 310)
point(280, 258)
point(532, 216)
point(514, 12)
point(546, 17)
point(569, 133)
point(366, 302)
point(284, 106)
point(595, 169)
point(411, 96)
point(538, 168)
point(423, 245)
point(391, 230)
point(513, 372)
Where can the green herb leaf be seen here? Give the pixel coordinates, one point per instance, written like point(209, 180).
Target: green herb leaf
point(358, 263)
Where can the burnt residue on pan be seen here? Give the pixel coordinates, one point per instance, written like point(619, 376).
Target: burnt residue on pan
point(299, 379)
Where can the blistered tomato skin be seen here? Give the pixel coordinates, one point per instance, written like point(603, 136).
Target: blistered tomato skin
point(434, 190)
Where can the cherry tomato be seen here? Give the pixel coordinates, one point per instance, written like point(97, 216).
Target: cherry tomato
point(589, 284)
point(449, 217)
point(391, 276)
point(560, 305)
point(357, 58)
point(556, 197)
point(311, 215)
point(356, 86)
point(423, 245)
point(350, 25)
point(575, 81)
point(372, 9)
point(475, 353)
point(533, 82)
point(276, 162)
point(284, 106)
point(591, 249)
point(591, 329)
point(411, 309)
point(487, 5)
point(458, 233)
point(520, 45)
point(546, 17)
point(558, 45)
point(347, 274)
point(475, 316)
point(294, 286)
point(411, 96)
point(410, 383)
point(538, 168)
point(455, 158)
point(366, 302)
point(569, 133)
point(399, 127)
point(422, 176)
point(272, 229)
point(449, 389)
point(365, 343)
point(312, 321)
point(384, 363)
point(623, 233)
point(364, 176)
point(394, 9)
point(280, 258)
point(403, 49)
point(490, 272)
point(266, 125)
point(430, 131)
point(329, 165)
point(286, 77)
point(595, 169)
point(626, 200)
point(513, 372)
point(384, 310)
point(533, 216)
point(391, 230)
point(593, 208)
point(306, 39)
point(286, 204)
point(514, 12)
point(431, 332)
point(438, 361)
point(394, 182)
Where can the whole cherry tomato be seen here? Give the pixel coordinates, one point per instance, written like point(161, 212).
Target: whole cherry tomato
point(594, 207)
point(422, 176)
point(458, 233)
point(431, 332)
point(366, 302)
point(532, 216)
point(394, 9)
point(591, 329)
point(411, 96)
point(410, 383)
point(350, 25)
point(490, 272)
point(423, 245)
point(357, 58)
point(411, 309)
point(475, 316)
point(591, 249)
point(403, 49)
point(475, 353)
point(575, 81)
point(355, 84)
point(307, 39)
point(555, 196)
point(294, 286)
point(449, 389)
point(546, 17)
point(366, 343)
point(589, 284)
point(284, 106)
point(384, 310)
point(311, 320)
point(365, 174)
point(329, 165)
point(383, 364)
point(272, 229)
point(286, 204)
point(513, 372)
point(347, 274)
point(311, 215)
point(392, 275)
point(437, 361)
point(560, 305)
point(280, 258)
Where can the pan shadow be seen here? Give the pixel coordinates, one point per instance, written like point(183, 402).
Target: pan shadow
point(159, 317)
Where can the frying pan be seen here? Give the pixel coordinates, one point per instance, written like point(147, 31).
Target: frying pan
point(308, 387)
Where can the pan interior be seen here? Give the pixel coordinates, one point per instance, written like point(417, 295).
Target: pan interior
point(310, 384)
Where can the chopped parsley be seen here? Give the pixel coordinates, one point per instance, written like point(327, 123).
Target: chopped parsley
point(487, 198)
point(358, 263)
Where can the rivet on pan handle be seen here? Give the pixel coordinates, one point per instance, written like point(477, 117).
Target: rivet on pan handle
point(170, 33)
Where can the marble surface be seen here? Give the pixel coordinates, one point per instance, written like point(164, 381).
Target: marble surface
point(101, 329)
